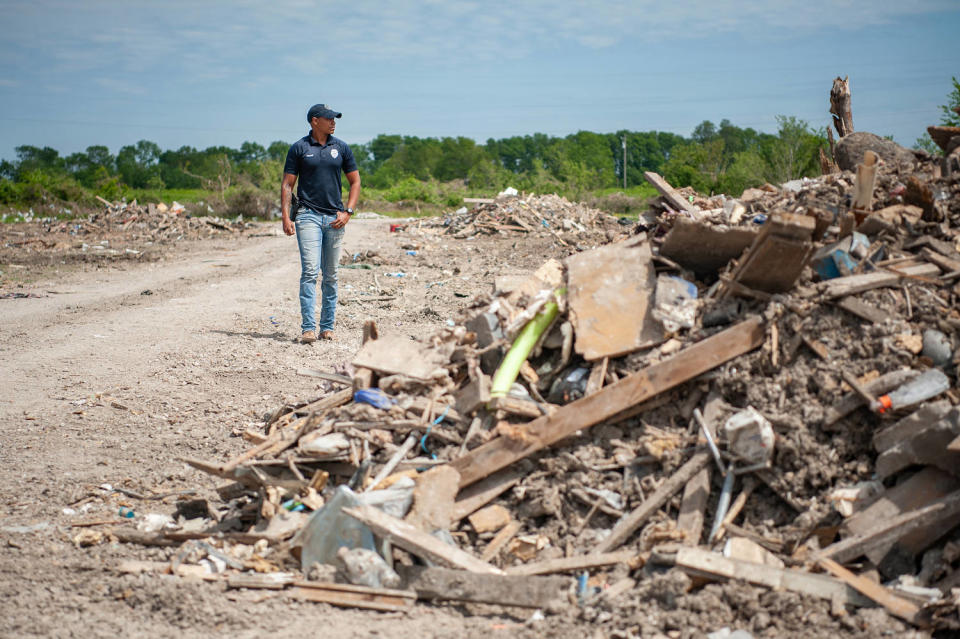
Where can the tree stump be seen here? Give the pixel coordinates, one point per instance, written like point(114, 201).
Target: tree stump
point(840, 106)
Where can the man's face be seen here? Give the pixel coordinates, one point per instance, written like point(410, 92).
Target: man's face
point(324, 125)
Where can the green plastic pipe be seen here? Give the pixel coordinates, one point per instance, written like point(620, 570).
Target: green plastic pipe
point(506, 375)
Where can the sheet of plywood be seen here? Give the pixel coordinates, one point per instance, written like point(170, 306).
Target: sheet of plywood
point(610, 291)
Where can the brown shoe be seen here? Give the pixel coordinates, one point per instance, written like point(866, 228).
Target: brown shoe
point(326, 335)
point(308, 337)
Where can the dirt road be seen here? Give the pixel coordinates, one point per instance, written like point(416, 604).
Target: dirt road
point(116, 374)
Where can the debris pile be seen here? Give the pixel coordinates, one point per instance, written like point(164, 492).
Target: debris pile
point(762, 393)
point(542, 214)
point(120, 229)
point(156, 222)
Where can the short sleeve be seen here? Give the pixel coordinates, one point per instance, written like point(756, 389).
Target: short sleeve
point(349, 164)
point(291, 166)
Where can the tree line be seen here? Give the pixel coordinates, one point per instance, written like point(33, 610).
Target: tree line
point(715, 158)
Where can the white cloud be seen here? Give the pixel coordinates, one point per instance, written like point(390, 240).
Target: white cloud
point(219, 39)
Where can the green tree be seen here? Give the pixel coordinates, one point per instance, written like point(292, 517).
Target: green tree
point(138, 165)
point(949, 117)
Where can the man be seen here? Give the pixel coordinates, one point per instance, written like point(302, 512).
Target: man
point(316, 160)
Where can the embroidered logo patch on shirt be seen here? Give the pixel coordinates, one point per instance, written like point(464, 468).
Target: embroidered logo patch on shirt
point(309, 155)
point(334, 153)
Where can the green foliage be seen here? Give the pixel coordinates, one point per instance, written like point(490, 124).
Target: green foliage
point(434, 172)
point(950, 116)
point(411, 189)
point(926, 143)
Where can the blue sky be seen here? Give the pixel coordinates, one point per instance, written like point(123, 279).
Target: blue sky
point(204, 73)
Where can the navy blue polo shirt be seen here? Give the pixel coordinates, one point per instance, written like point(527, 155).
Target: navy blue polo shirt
point(317, 167)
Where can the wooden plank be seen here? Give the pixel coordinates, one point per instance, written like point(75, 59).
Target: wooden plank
point(943, 262)
point(347, 596)
point(479, 200)
point(919, 490)
point(418, 542)
point(268, 581)
point(714, 566)
point(598, 305)
point(853, 284)
point(928, 414)
point(893, 529)
point(567, 564)
point(898, 606)
point(632, 521)
point(670, 194)
point(615, 398)
point(697, 491)
point(862, 310)
point(500, 540)
point(775, 264)
point(482, 493)
point(548, 593)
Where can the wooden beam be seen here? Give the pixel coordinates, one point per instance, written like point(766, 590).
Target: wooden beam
point(482, 493)
point(549, 593)
point(714, 566)
point(893, 529)
point(593, 409)
point(861, 309)
point(898, 606)
point(500, 540)
point(632, 521)
point(670, 194)
point(567, 564)
point(697, 491)
point(416, 541)
point(852, 284)
point(347, 596)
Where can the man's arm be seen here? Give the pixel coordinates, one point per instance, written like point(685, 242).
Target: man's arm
point(286, 191)
point(353, 177)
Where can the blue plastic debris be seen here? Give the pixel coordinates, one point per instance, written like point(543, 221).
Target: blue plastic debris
point(375, 397)
point(841, 258)
point(411, 252)
point(397, 274)
point(760, 218)
point(273, 320)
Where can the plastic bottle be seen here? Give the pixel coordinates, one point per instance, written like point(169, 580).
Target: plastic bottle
point(929, 384)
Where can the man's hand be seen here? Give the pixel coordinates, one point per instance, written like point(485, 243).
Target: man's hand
point(342, 218)
point(288, 226)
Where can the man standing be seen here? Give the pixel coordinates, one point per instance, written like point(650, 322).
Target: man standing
point(316, 160)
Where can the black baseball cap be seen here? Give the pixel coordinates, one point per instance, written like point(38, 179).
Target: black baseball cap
point(322, 111)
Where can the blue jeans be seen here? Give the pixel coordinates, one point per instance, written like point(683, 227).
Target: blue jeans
point(319, 251)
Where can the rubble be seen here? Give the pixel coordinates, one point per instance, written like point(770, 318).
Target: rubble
point(617, 432)
point(120, 230)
